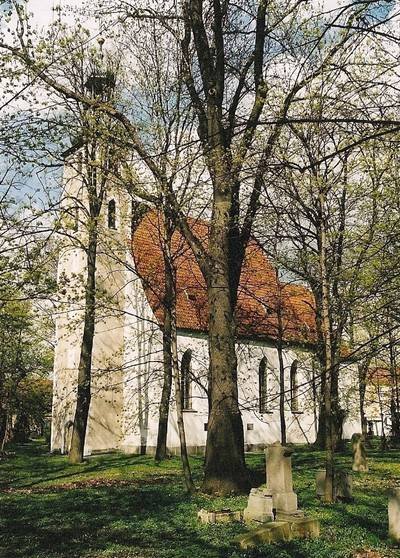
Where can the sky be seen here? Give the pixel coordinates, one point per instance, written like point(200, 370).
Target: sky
point(44, 12)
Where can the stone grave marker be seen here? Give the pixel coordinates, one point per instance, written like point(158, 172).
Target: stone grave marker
point(280, 480)
point(275, 506)
point(359, 456)
point(394, 514)
point(343, 484)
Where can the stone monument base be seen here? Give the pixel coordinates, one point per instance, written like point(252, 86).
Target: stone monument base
point(221, 516)
point(275, 531)
point(259, 506)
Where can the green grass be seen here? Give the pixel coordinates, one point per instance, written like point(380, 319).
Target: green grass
point(128, 507)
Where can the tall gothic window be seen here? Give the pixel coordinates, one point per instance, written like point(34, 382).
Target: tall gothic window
point(111, 214)
point(186, 380)
point(263, 385)
point(294, 388)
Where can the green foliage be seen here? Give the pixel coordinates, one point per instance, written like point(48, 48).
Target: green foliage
point(128, 506)
point(25, 363)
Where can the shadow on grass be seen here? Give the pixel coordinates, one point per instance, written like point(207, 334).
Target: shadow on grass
point(32, 467)
point(155, 520)
point(153, 517)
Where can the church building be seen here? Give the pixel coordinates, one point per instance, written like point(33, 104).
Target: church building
point(127, 368)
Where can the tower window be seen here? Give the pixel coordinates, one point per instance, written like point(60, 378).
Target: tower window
point(186, 380)
point(111, 215)
point(294, 395)
point(263, 385)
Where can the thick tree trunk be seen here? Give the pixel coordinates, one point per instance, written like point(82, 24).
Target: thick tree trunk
point(225, 470)
point(85, 361)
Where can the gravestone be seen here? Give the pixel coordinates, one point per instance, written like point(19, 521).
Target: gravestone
point(280, 481)
point(276, 531)
point(359, 457)
point(342, 485)
point(275, 506)
point(259, 506)
point(394, 514)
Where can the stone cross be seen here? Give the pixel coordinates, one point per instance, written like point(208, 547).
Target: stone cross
point(394, 514)
point(359, 456)
point(279, 479)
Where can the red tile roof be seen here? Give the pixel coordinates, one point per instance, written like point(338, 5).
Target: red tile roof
point(259, 292)
point(381, 375)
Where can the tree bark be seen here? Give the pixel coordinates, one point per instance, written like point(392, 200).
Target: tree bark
point(320, 440)
point(85, 360)
point(362, 387)
point(282, 394)
point(282, 391)
point(394, 390)
point(161, 450)
point(187, 473)
point(3, 428)
point(225, 470)
point(329, 495)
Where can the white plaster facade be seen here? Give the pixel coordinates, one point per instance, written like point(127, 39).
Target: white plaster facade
point(127, 360)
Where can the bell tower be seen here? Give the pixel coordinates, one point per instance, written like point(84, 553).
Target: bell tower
point(92, 199)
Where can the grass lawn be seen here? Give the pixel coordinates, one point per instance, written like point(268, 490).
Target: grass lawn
point(128, 507)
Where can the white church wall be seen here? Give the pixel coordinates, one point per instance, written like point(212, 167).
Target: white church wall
point(105, 417)
point(143, 366)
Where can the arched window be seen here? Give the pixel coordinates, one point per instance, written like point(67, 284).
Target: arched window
point(263, 385)
point(111, 214)
point(294, 399)
point(186, 380)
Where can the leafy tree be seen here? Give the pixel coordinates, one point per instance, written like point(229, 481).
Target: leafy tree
point(230, 56)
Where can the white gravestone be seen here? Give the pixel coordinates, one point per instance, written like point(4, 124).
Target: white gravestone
point(394, 514)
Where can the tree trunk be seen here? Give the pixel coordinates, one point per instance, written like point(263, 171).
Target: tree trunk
point(3, 428)
point(225, 470)
point(329, 495)
point(170, 319)
point(320, 440)
point(394, 390)
point(282, 391)
point(161, 450)
point(85, 361)
point(362, 387)
point(282, 394)
point(179, 414)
